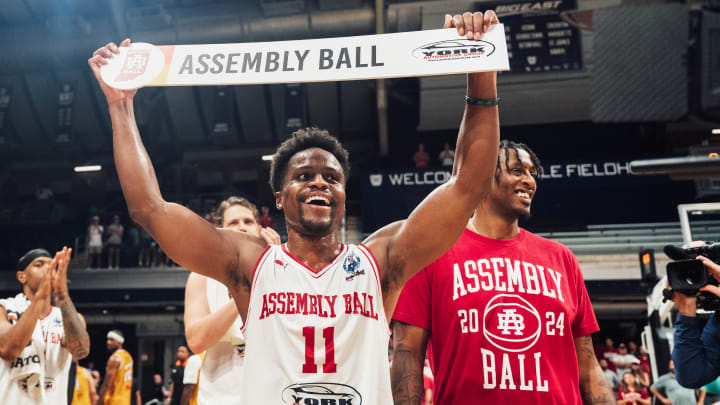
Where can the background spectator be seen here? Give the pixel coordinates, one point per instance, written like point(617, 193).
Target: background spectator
point(644, 359)
point(447, 155)
point(159, 391)
point(607, 350)
point(675, 393)
point(623, 360)
point(115, 234)
point(633, 348)
point(133, 242)
point(135, 398)
point(266, 221)
point(177, 374)
point(421, 158)
point(612, 377)
point(145, 257)
point(710, 393)
point(631, 393)
point(95, 244)
point(641, 376)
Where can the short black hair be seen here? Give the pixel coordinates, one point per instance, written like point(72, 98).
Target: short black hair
point(300, 140)
point(506, 145)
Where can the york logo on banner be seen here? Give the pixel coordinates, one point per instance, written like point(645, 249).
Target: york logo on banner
point(454, 49)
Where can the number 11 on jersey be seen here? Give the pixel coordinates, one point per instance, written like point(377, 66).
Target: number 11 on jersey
point(310, 367)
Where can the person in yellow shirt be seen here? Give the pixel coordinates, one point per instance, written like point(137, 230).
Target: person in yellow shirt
point(84, 392)
point(117, 386)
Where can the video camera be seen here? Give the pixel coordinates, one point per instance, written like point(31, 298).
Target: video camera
point(687, 275)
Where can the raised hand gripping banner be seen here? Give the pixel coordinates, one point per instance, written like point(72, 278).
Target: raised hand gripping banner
point(417, 53)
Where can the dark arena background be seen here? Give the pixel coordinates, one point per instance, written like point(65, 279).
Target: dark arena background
point(600, 89)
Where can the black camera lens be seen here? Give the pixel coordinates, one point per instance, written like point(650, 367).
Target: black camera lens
point(694, 276)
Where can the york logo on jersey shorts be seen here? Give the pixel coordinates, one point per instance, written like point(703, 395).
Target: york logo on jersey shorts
point(511, 323)
point(350, 265)
point(321, 394)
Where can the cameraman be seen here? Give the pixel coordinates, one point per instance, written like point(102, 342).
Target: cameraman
point(696, 356)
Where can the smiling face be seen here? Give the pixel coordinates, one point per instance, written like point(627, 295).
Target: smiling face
point(313, 192)
point(515, 184)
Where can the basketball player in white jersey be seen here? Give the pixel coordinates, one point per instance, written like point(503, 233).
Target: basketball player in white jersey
point(40, 332)
point(316, 310)
point(212, 322)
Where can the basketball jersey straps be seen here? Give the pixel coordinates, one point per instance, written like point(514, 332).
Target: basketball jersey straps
point(316, 336)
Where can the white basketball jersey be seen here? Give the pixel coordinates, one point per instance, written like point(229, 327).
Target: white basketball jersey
point(316, 338)
point(49, 337)
point(222, 369)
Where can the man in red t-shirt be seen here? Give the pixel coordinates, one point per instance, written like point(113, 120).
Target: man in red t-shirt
point(421, 158)
point(504, 314)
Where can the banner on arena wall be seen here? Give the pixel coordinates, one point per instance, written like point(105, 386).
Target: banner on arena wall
point(418, 53)
point(566, 194)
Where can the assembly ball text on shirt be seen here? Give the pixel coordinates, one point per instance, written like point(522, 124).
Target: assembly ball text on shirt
point(509, 322)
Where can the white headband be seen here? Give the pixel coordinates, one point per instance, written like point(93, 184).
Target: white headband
point(115, 336)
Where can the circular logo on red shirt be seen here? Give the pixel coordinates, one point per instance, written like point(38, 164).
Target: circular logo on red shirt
point(511, 323)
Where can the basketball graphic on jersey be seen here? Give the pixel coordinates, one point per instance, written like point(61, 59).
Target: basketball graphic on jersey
point(511, 323)
point(321, 393)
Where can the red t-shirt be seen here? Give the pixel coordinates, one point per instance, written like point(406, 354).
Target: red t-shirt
point(643, 394)
point(497, 334)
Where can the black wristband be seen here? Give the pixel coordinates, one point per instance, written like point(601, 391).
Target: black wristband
point(492, 102)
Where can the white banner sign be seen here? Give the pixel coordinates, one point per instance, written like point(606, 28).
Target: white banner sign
point(418, 53)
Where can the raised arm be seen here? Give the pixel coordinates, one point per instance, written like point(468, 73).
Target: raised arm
point(76, 336)
point(186, 237)
point(14, 338)
point(439, 220)
point(406, 372)
point(203, 328)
